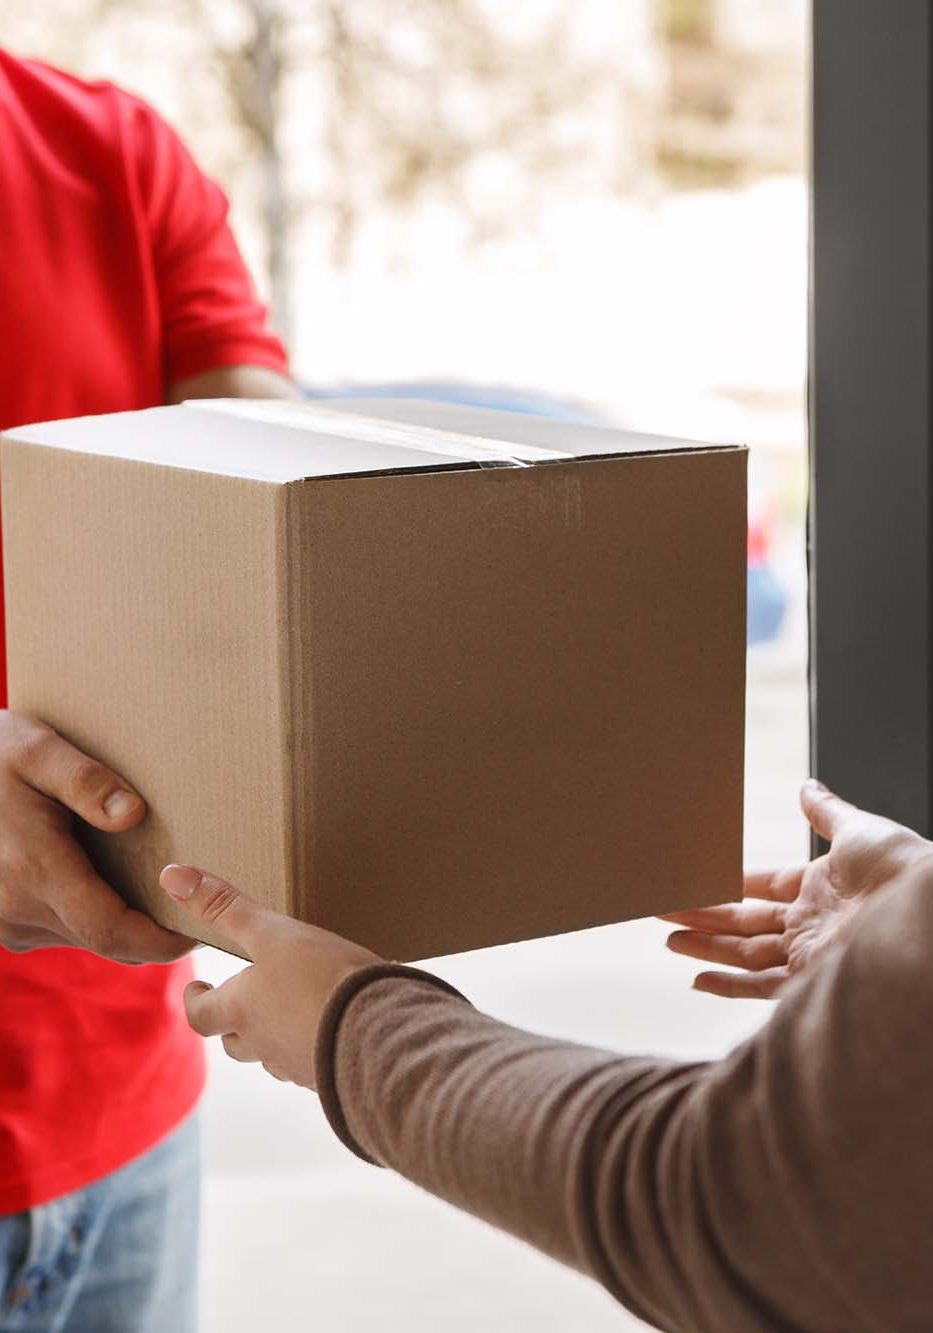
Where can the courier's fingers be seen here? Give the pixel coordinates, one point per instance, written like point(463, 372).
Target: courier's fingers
point(213, 902)
point(58, 769)
point(96, 917)
point(743, 985)
point(745, 919)
point(825, 811)
point(755, 955)
point(26, 939)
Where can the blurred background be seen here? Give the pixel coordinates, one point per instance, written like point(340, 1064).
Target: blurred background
point(595, 209)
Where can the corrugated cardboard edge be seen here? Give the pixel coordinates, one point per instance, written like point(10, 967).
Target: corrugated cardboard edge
point(285, 666)
point(297, 722)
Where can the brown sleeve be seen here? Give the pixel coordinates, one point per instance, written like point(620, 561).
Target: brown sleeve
point(786, 1188)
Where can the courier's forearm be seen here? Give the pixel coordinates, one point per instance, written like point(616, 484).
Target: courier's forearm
point(234, 382)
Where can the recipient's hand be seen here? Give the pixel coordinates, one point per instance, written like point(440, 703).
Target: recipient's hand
point(789, 918)
point(49, 892)
point(268, 1012)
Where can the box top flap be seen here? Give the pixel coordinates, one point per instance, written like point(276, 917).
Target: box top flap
point(281, 441)
point(575, 439)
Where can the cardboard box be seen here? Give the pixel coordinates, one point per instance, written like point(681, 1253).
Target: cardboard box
point(463, 679)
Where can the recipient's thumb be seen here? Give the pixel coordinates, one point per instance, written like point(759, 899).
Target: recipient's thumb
point(825, 811)
point(212, 902)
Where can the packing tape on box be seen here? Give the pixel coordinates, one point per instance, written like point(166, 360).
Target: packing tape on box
point(370, 430)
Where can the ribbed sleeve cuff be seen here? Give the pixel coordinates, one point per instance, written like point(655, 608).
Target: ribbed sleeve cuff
point(325, 1046)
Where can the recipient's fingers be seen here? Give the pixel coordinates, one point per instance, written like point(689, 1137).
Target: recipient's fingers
point(212, 902)
point(755, 955)
point(210, 1010)
point(59, 769)
point(743, 985)
point(238, 1049)
point(748, 919)
point(775, 886)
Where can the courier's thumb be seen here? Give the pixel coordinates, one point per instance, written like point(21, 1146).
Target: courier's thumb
point(204, 898)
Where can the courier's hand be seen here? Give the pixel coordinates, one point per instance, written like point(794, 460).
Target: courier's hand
point(49, 893)
point(791, 917)
point(268, 1012)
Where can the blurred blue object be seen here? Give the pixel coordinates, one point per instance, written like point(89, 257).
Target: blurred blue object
point(767, 605)
point(767, 602)
point(501, 397)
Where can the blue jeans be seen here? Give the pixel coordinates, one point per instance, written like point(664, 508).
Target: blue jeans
point(117, 1257)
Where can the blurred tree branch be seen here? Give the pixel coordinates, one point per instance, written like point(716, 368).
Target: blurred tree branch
point(414, 101)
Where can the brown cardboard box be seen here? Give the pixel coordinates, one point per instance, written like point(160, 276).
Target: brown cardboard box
point(382, 683)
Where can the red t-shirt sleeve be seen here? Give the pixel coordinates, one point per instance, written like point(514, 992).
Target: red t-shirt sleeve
point(211, 316)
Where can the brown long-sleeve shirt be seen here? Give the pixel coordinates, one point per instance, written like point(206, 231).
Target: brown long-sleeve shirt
point(788, 1187)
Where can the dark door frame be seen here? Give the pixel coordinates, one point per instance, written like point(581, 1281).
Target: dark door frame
point(871, 609)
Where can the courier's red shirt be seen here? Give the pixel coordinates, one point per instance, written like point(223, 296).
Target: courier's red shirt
point(118, 275)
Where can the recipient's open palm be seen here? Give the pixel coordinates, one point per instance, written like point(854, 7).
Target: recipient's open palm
point(789, 918)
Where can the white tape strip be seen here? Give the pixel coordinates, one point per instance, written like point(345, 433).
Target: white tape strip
point(401, 434)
